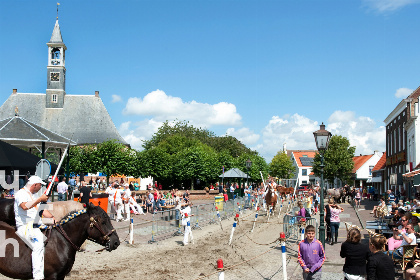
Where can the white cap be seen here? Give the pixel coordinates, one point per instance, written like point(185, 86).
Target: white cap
point(35, 180)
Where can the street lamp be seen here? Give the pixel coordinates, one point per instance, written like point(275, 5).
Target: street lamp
point(322, 138)
point(248, 165)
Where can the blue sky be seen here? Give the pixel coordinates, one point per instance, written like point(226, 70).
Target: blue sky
point(266, 72)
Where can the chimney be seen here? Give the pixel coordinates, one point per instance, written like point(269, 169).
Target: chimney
point(96, 93)
point(14, 91)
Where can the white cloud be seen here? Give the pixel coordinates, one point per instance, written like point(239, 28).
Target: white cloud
point(245, 135)
point(116, 98)
point(385, 6)
point(138, 132)
point(403, 92)
point(164, 107)
point(297, 132)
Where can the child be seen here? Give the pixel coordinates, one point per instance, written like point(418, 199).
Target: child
point(311, 255)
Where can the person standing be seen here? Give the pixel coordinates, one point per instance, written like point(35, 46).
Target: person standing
point(85, 194)
point(110, 190)
point(72, 187)
point(26, 211)
point(126, 198)
point(335, 221)
point(379, 266)
point(356, 255)
point(186, 214)
point(118, 202)
point(311, 255)
point(62, 189)
point(328, 219)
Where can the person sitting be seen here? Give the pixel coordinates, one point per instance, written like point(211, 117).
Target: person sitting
point(381, 207)
point(134, 206)
point(408, 238)
point(413, 272)
point(395, 242)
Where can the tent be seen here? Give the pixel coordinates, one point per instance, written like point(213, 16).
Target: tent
point(234, 173)
point(13, 158)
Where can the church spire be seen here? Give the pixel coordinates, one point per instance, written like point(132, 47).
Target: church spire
point(56, 35)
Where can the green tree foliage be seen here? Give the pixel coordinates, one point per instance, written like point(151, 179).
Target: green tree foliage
point(281, 166)
point(180, 153)
point(338, 160)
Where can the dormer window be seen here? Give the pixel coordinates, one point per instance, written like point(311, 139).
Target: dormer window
point(54, 98)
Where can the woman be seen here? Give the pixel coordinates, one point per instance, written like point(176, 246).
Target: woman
point(357, 198)
point(381, 205)
point(328, 219)
point(379, 266)
point(356, 255)
point(335, 221)
point(393, 242)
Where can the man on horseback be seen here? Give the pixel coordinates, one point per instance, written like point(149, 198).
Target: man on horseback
point(26, 211)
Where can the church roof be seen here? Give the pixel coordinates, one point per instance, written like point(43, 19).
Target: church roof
point(56, 35)
point(83, 118)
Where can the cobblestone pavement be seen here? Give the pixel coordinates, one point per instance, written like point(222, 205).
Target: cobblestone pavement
point(333, 266)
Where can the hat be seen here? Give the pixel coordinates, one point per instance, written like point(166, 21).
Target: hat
point(35, 180)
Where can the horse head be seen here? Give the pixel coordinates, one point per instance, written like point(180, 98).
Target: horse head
point(101, 230)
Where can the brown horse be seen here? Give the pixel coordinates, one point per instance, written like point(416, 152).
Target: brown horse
point(60, 251)
point(271, 198)
point(283, 190)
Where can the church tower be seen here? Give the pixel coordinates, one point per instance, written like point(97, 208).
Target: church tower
point(56, 70)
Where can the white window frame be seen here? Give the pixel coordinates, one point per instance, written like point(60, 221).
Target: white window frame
point(53, 98)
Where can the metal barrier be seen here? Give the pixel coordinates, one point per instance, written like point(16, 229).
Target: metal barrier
point(292, 225)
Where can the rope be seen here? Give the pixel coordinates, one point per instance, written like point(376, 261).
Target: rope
point(260, 243)
point(235, 265)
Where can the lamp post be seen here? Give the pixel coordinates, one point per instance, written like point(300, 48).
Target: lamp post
point(322, 138)
point(248, 165)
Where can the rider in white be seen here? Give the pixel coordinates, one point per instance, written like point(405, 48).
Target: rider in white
point(134, 205)
point(26, 216)
point(186, 214)
point(118, 203)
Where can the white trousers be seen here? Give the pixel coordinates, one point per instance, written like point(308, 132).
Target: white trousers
point(187, 233)
point(127, 211)
point(136, 208)
point(34, 238)
point(119, 207)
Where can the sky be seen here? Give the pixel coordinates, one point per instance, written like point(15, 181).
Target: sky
point(265, 72)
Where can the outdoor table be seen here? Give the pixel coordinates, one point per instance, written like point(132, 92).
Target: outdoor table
point(377, 227)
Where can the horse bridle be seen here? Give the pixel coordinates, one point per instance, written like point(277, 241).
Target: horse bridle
point(105, 237)
point(93, 223)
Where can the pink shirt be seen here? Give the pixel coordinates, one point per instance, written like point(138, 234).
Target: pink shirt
point(335, 218)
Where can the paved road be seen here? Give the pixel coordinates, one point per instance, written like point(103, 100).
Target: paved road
point(333, 266)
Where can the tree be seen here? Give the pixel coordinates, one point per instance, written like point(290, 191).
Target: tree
point(281, 166)
point(338, 160)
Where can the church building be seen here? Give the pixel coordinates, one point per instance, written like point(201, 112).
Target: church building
point(81, 118)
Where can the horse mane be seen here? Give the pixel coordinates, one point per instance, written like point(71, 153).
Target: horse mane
point(70, 216)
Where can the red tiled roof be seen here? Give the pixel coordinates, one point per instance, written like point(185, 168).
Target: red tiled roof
point(411, 174)
point(299, 154)
point(381, 163)
point(311, 173)
point(359, 161)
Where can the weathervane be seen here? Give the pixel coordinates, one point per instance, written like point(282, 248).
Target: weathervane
point(58, 4)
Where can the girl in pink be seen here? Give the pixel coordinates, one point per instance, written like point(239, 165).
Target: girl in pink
point(335, 221)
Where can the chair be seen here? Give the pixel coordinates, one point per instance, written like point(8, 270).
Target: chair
point(408, 255)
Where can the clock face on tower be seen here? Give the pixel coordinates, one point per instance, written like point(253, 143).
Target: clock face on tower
point(55, 77)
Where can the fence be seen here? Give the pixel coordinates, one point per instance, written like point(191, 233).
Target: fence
point(167, 223)
point(292, 225)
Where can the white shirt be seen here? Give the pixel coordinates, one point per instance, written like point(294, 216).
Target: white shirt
point(62, 187)
point(118, 195)
point(127, 194)
point(183, 211)
point(23, 217)
point(132, 201)
point(412, 236)
point(110, 191)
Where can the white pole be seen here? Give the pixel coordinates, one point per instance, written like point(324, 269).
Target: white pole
point(283, 254)
point(190, 232)
point(220, 268)
point(56, 171)
point(131, 231)
point(256, 216)
point(302, 233)
point(231, 234)
point(220, 219)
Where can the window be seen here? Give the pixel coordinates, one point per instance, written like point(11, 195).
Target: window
point(304, 172)
point(54, 98)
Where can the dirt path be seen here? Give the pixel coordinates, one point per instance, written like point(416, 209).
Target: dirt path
point(169, 259)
